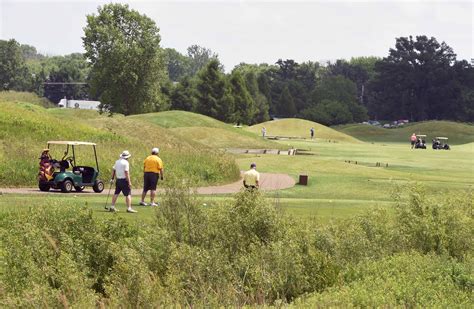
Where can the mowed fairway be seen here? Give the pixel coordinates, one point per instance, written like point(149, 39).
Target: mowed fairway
point(343, 177)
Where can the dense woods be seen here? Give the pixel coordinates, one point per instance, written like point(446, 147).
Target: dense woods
point(129, 72)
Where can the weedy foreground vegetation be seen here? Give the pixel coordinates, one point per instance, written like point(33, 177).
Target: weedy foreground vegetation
point(240, 252)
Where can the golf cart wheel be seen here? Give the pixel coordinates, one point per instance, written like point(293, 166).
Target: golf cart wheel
point(66, 186)
point(79, 188)
point(44, 187)
point(98, 186)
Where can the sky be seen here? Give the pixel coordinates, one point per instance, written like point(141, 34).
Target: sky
point(255, 31)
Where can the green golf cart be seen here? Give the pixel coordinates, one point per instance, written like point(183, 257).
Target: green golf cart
point(65, 174)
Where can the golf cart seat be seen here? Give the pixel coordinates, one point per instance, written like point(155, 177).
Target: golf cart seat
point(87, 173)
point(64, 165)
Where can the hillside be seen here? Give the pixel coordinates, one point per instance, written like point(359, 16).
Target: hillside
point(177, 119)
point(458, 133)
point(205, 130)
point(301, 127)
point(25, 128)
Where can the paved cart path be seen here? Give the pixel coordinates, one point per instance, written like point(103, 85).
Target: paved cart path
point(268, 182)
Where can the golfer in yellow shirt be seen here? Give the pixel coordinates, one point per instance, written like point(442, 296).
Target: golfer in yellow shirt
point(252, 177)
point(152, 169)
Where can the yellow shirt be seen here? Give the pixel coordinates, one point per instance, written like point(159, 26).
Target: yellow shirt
point(251, 177)
point(152, 164)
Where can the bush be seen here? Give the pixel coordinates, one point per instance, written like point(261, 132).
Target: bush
point(431, 224)
point(404, 280)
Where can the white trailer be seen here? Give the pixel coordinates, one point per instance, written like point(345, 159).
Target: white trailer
point(79, 104)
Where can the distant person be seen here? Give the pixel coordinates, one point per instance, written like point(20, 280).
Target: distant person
point(264, 132)
point(312, 132)
point(121, 171)
point(413, 140)
point(252, 177)
point(152, 171)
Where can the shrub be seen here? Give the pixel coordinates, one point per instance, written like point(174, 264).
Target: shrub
point(236, 253)
point(403, 280)
point(432, 224)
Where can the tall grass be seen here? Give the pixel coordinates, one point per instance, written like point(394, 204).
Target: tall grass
point(25, 128)
point(25, 97)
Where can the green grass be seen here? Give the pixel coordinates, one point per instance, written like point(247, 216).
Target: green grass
point(207, 131)
point(25, 129)
point(300, 128)
point(188, 144)
point(336, 189)
point(26, 97)
point(178, 119)
point(458, 133)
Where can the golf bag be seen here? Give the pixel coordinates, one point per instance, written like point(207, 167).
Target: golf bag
point(45, 167)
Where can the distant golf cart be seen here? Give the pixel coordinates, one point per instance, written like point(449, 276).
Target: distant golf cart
point(65, 174)
point(420, 141)
point(440, 142)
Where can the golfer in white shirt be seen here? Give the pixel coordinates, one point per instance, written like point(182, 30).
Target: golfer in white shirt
point(121, 171)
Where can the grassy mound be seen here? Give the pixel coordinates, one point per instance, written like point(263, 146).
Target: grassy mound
point(458, 133)
point(205, 130)
point(177, 119)
point(300, 128)
point(25, 128)
point(15, 96)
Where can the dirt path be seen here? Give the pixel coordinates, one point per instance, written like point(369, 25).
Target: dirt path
point(268, 182)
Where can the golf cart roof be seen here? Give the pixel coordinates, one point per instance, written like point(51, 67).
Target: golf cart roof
point(440, 137)
point(73, 143)
point(421, 135)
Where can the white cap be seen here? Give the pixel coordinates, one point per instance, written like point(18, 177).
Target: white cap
point(125, 154)
point(155, 150)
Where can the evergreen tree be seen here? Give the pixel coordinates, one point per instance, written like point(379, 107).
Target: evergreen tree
point(286, 103)
point(211, 88)
point(243, 101)
point(183, 96)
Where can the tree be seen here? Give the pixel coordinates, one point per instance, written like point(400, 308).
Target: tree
point(261, 104)
point(343, 91)
point(328, 112)
point(30, 53)
point(14, 74)
point(286, 103)
point(211, 88)
point(243, 102)
point(416, 81)
point(199, 57)
point(260, 101)
point(123, 47)
point(264, 87)
point(66, 69)
point(183, 96)
point(177, 64)
point(353, 71)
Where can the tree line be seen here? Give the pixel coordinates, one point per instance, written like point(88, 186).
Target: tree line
point(125, 68)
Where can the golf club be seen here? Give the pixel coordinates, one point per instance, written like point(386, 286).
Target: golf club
point(107, 199)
